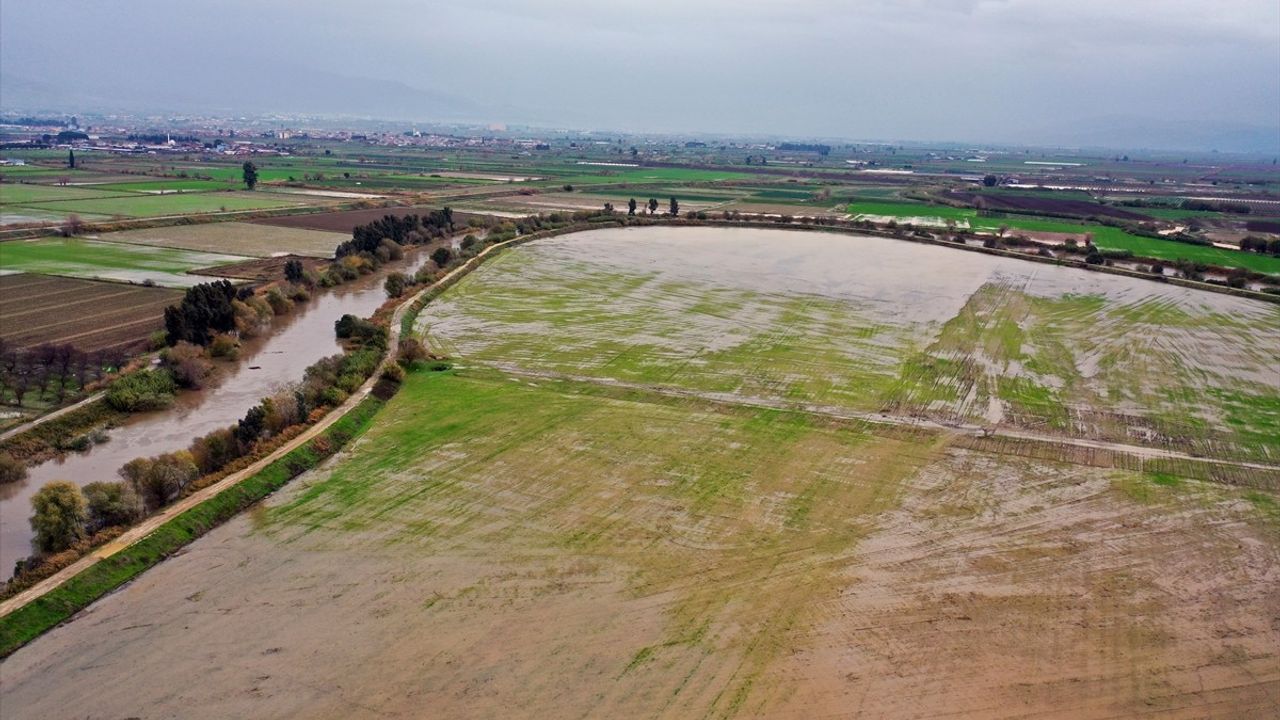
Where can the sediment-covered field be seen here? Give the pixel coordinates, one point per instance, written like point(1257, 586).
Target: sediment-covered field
point(91, 259)
point(740, 473)
point(234, 238)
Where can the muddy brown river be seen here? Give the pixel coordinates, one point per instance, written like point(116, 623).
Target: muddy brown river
point(295, 341)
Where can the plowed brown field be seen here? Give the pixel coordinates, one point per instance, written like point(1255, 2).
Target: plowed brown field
point(91, 315)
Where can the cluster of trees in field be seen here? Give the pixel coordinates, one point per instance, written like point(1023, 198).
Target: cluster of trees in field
point(209, 313)
point(50, 372)
point(823, 150)
point(1260, 245)
point(406, 230)
point(204, 311)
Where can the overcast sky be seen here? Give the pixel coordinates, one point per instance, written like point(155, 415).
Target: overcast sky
point(969, 70)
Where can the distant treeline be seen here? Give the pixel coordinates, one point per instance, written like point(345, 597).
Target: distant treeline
point(1217, 206)
point(35, 121)
point(805, 147)
point(1226, 206)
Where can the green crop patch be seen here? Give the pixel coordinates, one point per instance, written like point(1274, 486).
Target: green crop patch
point(148, 205)
point(171, 185)
point(14, 194)
point(109, 261)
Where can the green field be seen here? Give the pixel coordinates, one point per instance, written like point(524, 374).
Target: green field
point(175, 184)
point(269, 171)
point(27, 170)
point(23, 194)
point(1105, 237)
point(140, 205)
point(108, 261)
point(908, 209)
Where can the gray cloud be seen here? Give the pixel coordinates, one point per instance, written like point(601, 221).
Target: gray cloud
point(1015, 70)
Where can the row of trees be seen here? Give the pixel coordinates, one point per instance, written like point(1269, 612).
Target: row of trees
point(65, 515)
point(673, 206)
point(51, 372)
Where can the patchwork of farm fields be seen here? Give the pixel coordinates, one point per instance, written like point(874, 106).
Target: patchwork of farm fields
point(233, 238)
point(108, 261)
point(39, 309)
point(1105, 237)
point(661, 480)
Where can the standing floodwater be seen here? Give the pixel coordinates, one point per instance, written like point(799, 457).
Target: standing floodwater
point(294, 342)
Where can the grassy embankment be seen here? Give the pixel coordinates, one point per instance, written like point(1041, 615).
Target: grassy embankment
point(28, 622)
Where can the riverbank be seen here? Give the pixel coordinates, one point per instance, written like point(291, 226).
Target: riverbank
point(55, 599)
point(275, 358)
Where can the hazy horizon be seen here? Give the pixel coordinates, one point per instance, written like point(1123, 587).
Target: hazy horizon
point(1176, 75)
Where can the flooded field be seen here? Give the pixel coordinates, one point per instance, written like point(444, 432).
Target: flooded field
point(873, 324)
point(235, 239)
point(650, 488)
point(295, 341)
point(168, 267)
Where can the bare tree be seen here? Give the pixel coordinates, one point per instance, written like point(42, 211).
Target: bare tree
point(73, 225)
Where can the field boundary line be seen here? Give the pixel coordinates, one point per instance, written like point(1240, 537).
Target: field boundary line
point(1141, 452)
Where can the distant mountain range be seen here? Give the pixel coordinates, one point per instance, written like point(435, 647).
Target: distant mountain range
point(229, 89)
point(1167, 134)
point(278, 89)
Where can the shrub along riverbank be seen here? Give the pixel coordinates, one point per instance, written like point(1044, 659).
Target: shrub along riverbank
point(29, 621)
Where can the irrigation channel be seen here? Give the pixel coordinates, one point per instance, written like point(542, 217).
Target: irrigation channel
point(267, 363)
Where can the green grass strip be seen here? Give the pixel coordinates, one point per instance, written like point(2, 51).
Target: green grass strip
point(30, 621)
